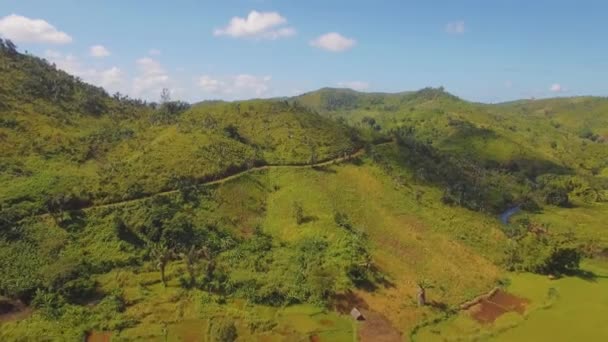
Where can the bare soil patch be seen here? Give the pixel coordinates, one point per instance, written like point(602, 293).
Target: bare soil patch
point(496, 305)
point(509, 301)
point(377, 328)
point(314, 338)
point(326, 323)
point(99, 336)
point(344, 302)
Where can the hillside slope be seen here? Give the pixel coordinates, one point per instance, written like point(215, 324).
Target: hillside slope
point(133, 221)
point(522, 145)
point(67, 142)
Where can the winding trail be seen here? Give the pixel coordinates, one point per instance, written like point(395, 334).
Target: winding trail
point(355, 154)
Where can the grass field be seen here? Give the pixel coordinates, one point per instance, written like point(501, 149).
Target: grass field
point(566, 309)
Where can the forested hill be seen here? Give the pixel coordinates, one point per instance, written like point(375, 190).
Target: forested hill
point(69, 144)
point(406, 229)
point(514, 148)
point(571, 132)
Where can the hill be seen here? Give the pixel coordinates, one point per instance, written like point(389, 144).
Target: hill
point(67, 142)
point(538, 142)
point(272, 219)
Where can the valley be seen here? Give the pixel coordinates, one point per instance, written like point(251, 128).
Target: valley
point(271, 219)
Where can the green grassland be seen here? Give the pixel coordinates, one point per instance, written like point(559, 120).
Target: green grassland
point(174, 222)
point(565, 309)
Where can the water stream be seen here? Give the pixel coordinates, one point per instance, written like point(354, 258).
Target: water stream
point(504, 217)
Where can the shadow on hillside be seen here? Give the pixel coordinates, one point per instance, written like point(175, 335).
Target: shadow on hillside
point(324, 169)
point(73, 221)
point(467, 181)
point(377, 279)
point(533, 168)
point(587, 275)
point(438, 305)
point(308, 219)
point(355, 161)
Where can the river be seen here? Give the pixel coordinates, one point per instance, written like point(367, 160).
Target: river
point(504, 217)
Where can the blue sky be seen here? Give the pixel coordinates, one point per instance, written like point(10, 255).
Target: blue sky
point(486, 50)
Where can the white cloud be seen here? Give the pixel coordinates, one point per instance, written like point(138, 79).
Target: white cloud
point(263, 25)
point(209, 84)
point(25, 30)
point(99, 51)
point(154, 52)
point(557, 88)
point(151, 79)
point(258, 85)
point(52, 54)
point(333, 42)
point(239, 86)
point(455, 27)
point(111, 78)
point(355, 85)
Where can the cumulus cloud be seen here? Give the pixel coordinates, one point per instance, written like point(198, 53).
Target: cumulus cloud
point(210, 85)
point(151, 78)
point(261, 25)
point(154, 52)
point(333, 42)
point(239, 86)
point(111, 78)
point(557, 88)
point(25, 30)
point(356, 85)
point(455, 27)
point(99, 51)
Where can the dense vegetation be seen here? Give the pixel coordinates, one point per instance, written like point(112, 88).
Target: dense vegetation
point(243, 219)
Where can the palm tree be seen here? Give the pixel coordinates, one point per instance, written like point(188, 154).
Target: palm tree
point(191, 258)
point(422, 287)
point(162, 254)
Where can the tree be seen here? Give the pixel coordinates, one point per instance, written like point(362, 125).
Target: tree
point(165, 96)
point(298, 212)
point(223, 331)
point(421, 295)
point(422, 287)
point(162, 255)
point(313, 154)
point(191, 258)
point(557, 196)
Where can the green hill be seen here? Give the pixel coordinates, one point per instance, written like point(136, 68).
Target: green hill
point(63, 138)
point(272, 219)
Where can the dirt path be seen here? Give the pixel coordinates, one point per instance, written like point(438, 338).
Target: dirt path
point(374, 327)
point(223, 180)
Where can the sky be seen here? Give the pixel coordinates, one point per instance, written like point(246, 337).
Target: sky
point(482, 50)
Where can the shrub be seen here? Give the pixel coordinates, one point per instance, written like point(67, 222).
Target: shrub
point(79, 290)
point(298, 212)
point(223, 331)
point(542, 254)
point(342, 220)
point(50, 304)
point(557, 196)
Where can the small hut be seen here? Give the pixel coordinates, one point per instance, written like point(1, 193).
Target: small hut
point(357, 315)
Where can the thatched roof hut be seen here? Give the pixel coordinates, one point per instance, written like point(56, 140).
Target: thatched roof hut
point(357, 315)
